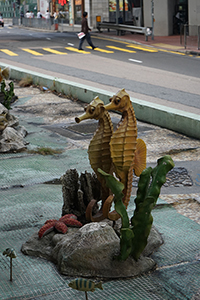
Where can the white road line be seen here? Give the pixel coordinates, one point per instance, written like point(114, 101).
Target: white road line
point(135, 60)
point(70, 44)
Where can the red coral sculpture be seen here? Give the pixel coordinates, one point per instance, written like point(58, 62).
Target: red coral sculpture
point(59, 225)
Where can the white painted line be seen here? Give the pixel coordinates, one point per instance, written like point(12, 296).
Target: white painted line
point(70, 44)
point(137, 61)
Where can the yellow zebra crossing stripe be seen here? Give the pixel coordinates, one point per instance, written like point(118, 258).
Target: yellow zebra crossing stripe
point(54, 51)
point(8, 52)
point(76, 50)
point(32, 52)
point(101, 50)
point(138, 47)
point(121, 49)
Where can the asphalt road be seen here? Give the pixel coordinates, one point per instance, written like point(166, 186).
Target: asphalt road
point(160, 77)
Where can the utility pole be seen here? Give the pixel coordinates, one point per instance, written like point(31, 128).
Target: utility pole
point(71, 12)
point(117, 11)
point(152, 17)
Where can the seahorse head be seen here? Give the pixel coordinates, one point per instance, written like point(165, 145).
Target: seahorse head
point(120, 101)
point(94, 110)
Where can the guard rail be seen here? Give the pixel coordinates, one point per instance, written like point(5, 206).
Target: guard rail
point(122, 27)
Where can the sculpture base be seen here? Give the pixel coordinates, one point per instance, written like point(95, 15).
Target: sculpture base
point(90, 251)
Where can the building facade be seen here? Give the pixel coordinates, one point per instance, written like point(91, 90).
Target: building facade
point(166, 16)
point(169, 14)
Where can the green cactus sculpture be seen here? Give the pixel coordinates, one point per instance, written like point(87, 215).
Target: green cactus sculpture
point(133, 238)
point(126, 234)
point(147, 196)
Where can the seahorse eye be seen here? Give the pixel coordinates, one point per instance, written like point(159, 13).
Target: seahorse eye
point(92, 109)
point(117, 100)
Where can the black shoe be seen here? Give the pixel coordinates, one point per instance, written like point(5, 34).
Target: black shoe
point(94, 48)
point(80, 49)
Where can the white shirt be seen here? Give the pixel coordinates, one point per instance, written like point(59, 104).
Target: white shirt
point(47, 15)
point(28, 15)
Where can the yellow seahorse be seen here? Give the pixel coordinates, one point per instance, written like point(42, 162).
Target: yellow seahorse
point(99, 149)
point(127, 152)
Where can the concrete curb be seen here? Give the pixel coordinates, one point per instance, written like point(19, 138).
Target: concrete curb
point(173, 119)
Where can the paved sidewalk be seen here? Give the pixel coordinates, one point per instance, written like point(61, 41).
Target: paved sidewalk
point(168, 43)
point(29, 198)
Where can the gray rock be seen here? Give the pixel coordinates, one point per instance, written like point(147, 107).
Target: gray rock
point(11, 135)
point(11, 140)
point(90, 252)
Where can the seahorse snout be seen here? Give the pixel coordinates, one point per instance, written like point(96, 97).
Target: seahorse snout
point(77, 120)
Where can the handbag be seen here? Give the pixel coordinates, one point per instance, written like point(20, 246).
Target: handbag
point(81, 35)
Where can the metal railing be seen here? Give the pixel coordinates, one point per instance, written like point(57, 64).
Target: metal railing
point(190, 36)
point(122, 28)
point(37, 23)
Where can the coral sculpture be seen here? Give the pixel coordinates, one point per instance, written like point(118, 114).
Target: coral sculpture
point(127, 152)
point(133, 239)
point(59, 225)
point(99, 150)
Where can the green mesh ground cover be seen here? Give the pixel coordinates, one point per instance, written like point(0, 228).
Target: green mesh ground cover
point(181, 236)
point(30, 206)
point(32, 169)
point(24, 210)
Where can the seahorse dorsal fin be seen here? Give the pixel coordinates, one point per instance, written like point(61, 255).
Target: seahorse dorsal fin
point(140, 157)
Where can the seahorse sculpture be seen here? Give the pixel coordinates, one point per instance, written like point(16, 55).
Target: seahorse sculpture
point(127, 152)
point(99, 150)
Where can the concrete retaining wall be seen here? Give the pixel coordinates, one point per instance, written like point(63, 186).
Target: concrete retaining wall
point(174, 119)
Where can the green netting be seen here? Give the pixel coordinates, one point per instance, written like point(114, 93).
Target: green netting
point(24, 210)
point(32, 169)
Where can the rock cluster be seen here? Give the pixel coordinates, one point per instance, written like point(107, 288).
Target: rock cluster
point(91, 251)
point(11, 133)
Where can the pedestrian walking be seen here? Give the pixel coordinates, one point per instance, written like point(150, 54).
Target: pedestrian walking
point(85, 29)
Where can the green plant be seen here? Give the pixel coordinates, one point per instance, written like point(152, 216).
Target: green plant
point(8, 94)
point(45, 151)
point(145, 201)
point(133, 238)
point(27, 81)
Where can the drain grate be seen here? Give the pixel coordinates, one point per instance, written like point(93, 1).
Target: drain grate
point(177, 177)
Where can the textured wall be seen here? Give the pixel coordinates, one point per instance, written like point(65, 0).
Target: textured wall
point(161, 24)
point(97, 8)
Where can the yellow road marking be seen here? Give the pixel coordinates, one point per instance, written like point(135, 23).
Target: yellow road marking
point(101, 50)
point(8, 52)
point(32, 52)
point(142, 48)
point(121, 49)
point(174, 52)
point(54, 51)
point(111, 40)
point(76, 50)
point(168, 46)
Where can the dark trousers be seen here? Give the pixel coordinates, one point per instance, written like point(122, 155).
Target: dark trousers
point(88, 39)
